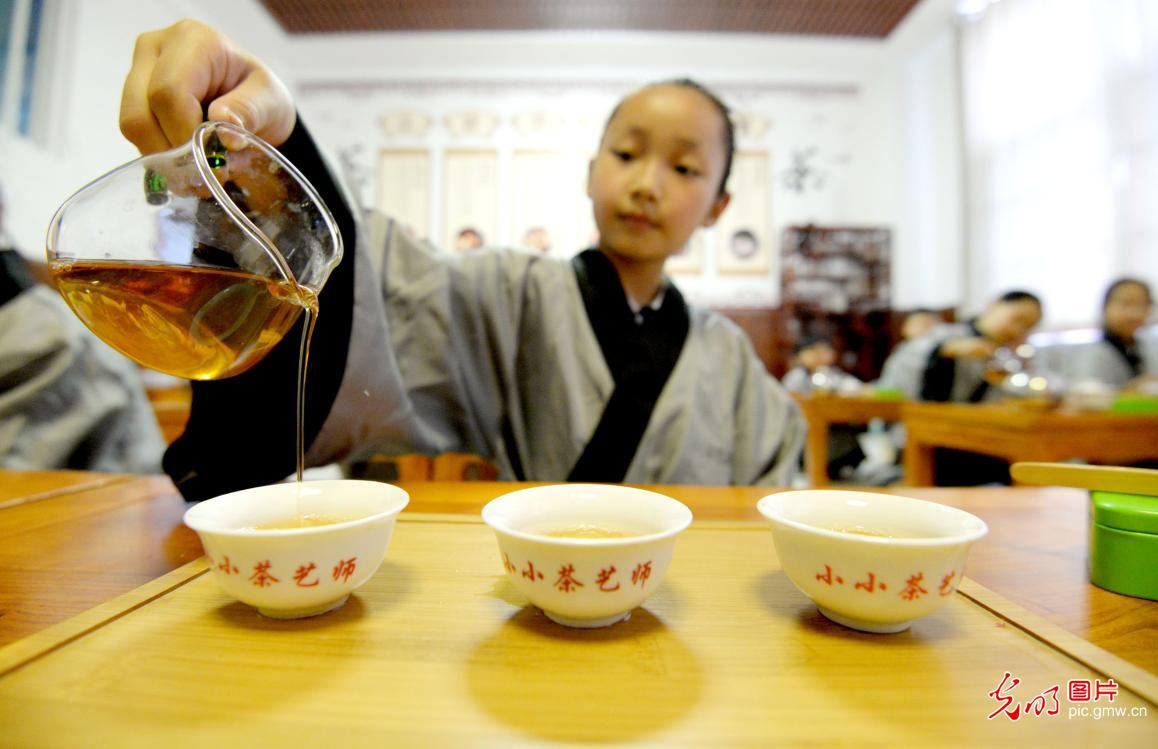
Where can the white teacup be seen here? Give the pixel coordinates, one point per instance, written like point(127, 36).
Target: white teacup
point(873, 562)
point(591, 581)
point(290, 572)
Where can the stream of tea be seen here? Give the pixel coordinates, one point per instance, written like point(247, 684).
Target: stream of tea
point(197, 323)
point(311, 318)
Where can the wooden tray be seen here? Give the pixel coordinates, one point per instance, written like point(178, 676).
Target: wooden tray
point(439, 649)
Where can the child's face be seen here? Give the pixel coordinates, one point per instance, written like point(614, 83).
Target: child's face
point(657, 175)
point(1010, 322)
point(816, 356)
point(467, 240)
point(1127, 309)
point(918, 324)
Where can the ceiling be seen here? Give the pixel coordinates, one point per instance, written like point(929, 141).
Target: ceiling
point(845, 18)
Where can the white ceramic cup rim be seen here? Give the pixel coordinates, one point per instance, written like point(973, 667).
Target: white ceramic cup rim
point(492, 509)
point(772, 507)
point(398, 498)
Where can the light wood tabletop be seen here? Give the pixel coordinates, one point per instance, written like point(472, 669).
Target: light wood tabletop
point(1035, 553)
point(85, 545)
point(81, 543)
point(1023, 434)
point(117, 620)
point(19, 487)
point(439, 649)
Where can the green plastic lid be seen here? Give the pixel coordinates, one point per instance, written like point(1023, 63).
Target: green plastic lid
point(1126, 512)
point(1135, 403)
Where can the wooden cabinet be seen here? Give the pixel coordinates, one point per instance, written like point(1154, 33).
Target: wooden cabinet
point(836, 283)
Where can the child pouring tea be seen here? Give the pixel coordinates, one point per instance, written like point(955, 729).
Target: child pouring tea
point(589, 370)
point(950, 362)
point(813, 354)
point(956, 363)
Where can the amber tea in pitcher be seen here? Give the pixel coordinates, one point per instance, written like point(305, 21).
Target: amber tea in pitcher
point(196, 261)
point(200, 323)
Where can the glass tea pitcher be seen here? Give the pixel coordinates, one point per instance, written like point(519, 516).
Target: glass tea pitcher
point(198, 260)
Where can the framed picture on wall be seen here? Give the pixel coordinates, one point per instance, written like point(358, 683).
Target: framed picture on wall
point(689, 261)
point(470, 189)
point(539, 209)
point(404, 189)
point(744, 232)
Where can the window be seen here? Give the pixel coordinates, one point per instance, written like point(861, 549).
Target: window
point(1061, 111)
point(19, 50)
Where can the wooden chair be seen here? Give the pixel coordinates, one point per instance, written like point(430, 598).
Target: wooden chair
point(463, 467)
point(171, 407)
point(411, 467)
point(414, 467)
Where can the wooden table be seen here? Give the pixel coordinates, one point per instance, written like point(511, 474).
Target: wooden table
point(65, 554)
point(822, 411)
point(439, 649)
point(76, 540)
point(1013, 434)
point(19, 487)
point(1031, 530)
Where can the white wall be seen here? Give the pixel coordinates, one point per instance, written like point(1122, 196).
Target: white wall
point(347, 117)
point(847, 98)
point(883, 115)
point(884, 112)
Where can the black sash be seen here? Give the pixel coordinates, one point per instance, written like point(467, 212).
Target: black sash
point(15, 277)
point(1128, 352)
point(641, 357)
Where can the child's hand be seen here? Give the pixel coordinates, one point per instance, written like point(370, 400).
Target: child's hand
point(968, 348)
point(178, 69)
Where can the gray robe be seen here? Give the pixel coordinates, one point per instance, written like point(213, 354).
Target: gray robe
point(905, 368)
point(491, 353)
point(66, 399)
point(1098, 360)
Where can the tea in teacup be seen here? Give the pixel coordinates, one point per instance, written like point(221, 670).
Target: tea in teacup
point(587, 530)
point(586, 554)
point(307, 520)
point(860, 530)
